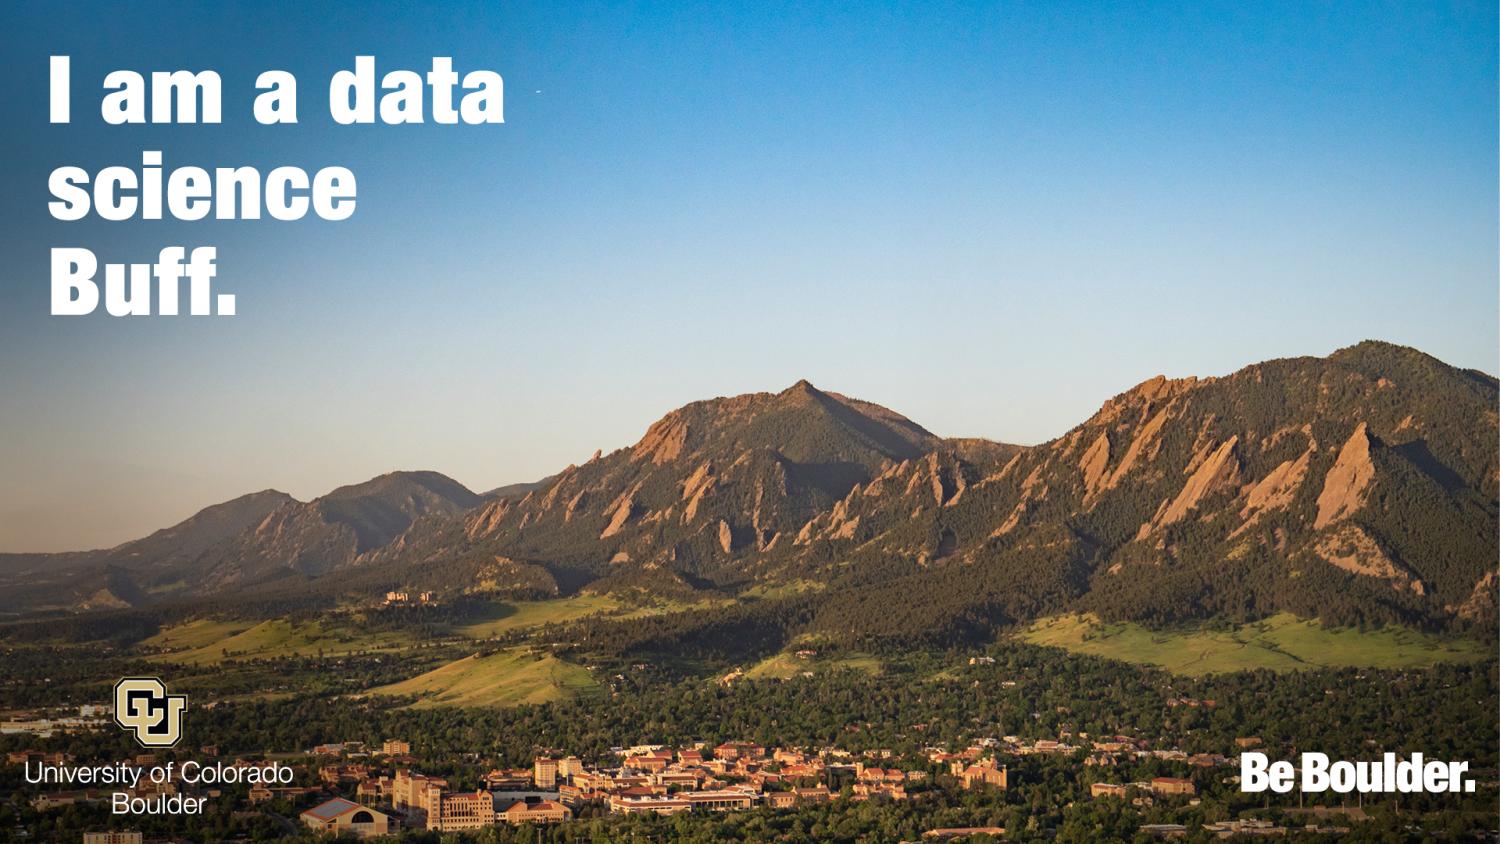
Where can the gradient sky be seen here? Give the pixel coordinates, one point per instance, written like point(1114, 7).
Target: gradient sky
point(990, 217)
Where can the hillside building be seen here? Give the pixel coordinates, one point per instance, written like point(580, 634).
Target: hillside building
point(1173, 785)
point(982, 774)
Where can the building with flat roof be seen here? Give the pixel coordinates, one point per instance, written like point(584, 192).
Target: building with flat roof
point(627, 805)
point(1173, 785)
point(416, 794)
point(949, 832)
point(724, 800)
point(544, 772)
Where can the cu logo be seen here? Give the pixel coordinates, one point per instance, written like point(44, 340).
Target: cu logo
point(143, 706)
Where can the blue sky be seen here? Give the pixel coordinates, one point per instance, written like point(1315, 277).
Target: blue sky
point(990, 217)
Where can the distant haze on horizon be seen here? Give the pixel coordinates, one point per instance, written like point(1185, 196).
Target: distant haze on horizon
point(988, 219)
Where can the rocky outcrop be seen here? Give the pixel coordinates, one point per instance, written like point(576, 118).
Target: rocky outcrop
point(1348, 483)
point(1144, 444)
point(944, 476)
point(575, 504)
point(1275, 491)
point(1093, 465)
point(1218, 472)
point(698, 485)
point(663, 442)
point(1482, 601)
point(487, 519)
point(624, 511)
point(1143, 397)
point(1352, 549)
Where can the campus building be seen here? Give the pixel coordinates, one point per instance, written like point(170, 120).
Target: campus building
point(464, 810)
point(339, 816)
point(545, 811)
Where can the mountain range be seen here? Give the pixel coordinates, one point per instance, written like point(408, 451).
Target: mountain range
point(1360, 487)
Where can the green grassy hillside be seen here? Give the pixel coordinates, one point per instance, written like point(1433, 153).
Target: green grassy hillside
point(507, 678)
point(517, 615)
point(1281, 643)
point(204, 641)
point(198, 633)
point(786, 666)
point(507, 616)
